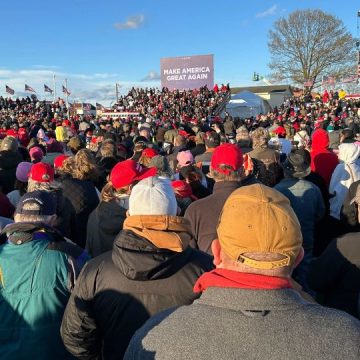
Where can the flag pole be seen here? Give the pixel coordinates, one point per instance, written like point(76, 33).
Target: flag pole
point(54, 86)
point(117, 93)
point(67, 98)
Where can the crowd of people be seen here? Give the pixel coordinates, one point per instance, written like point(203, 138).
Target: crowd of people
point(179, 233)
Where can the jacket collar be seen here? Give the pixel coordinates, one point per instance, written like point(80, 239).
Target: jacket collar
point(252, 300)
point(226, 186)
point(163, 231)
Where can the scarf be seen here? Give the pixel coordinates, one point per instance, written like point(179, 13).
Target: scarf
point(233, 279)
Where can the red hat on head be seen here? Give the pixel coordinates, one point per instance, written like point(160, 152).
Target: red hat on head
point(36, 153)
point(66, 122)
point(227, 154)
point(59, 160)
point(183, 133)
point(41, 172)
point(12, 132)
point(149, 152)
point(296, 126)
point(280, 131)
point(183, 189)
point(128, 171)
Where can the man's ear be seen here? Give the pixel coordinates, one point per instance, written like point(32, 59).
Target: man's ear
point(216, 250)
point(299, 257)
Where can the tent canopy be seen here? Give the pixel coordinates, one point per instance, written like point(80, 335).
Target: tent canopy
point(246, 104)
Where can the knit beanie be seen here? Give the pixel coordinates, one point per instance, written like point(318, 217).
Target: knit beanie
point(23, 170)
point(153, 196)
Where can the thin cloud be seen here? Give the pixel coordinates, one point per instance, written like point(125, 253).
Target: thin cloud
point(269, 12)
point(152, 76)
point(92, 88)
point(132, 22)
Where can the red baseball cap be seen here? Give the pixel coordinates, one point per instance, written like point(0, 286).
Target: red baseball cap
point(128, 171)
point(41, 172)
point(59, 160)
point(227, 154)
point(183, 189)
point(149, 152)
point(280, 131)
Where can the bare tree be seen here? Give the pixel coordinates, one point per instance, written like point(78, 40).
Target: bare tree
point(309, 44)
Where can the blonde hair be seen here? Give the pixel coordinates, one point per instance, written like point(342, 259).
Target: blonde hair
point(42, 186)
point(145, 161)
point(84, 166)
point(260, 138)
point(107, 149)
point(109, 193)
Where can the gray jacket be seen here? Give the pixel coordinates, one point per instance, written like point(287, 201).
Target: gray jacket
point(228, 323)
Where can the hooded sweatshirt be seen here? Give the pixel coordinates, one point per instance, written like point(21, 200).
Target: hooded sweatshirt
point(346, 173)
point(323, 161)
point(150, 269)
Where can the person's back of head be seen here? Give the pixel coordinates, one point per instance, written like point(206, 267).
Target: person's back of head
point(258, 232)
point(212, 140)
point(226, 163)
point(180, 140)
point(9, 143)
point(37, 207)
point(260, 138)
point(153, 196)
point(107, 149)
point(85, 167)
point(75, 144)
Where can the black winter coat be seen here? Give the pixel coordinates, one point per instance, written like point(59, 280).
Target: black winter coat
point(336, 274)
point(119, 290)
point(104, 223)
point(9, 161)
point(83, 199)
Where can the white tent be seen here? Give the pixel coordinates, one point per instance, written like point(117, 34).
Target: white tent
point(246, 104)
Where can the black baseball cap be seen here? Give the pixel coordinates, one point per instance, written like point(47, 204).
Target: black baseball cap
point(37, 203)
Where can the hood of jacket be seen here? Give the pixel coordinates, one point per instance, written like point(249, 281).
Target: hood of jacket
point(320, 140)
point(349, 153)
point(109, 212)
point(151, 246)
point(9, 159)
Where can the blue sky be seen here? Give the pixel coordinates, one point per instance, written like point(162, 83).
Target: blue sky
point(95, 44)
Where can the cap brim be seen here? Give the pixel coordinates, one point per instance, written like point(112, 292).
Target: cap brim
point(145, 173)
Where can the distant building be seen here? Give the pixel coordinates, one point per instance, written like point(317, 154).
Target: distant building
point(274, 94)
point(83, 109)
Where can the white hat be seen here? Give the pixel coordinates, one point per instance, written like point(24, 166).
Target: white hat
point(153, 196)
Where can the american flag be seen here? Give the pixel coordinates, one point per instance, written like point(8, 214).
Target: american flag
point(331, 80)
point(47, 89)
point(349, 79)
point(309, 83)
point(65, 91)
point(87, 107)
point(29, 88)
point(325, 80)
point(328, 80)
point(9, 90)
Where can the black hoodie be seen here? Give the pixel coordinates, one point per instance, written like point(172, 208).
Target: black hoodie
point(104, 223)
point(119, 290)
point(9, 161)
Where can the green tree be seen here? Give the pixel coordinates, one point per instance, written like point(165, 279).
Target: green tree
point(309, 44)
